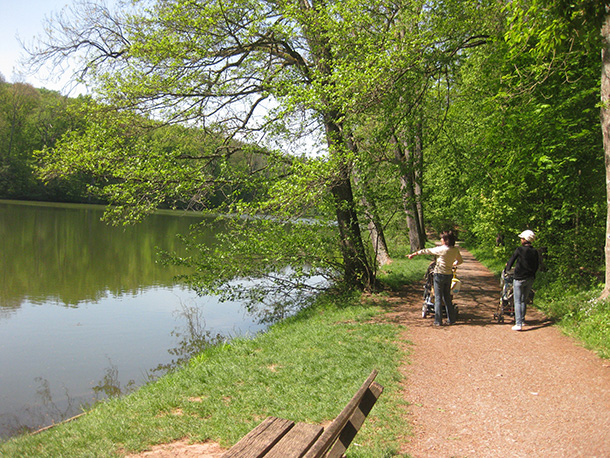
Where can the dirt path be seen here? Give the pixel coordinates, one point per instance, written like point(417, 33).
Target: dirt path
point(479, 389)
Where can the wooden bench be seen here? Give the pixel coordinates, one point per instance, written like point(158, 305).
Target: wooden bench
point(280, 438)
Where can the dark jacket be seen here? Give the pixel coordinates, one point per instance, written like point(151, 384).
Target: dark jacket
point(527, 261)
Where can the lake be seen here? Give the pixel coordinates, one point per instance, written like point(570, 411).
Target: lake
point(87, 311)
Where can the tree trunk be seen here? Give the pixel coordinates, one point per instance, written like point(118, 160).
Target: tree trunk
point(357, 272)
point(409, 198)
point(374, 223)
point(417, 185)
point(605, 122)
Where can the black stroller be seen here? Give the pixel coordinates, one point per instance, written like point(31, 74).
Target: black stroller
point(428, 306)
point(507, 300)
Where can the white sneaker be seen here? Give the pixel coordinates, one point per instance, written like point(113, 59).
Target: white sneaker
point(516, 327)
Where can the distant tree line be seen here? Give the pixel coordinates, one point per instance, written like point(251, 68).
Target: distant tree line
point(30, 119)
point(33, 120)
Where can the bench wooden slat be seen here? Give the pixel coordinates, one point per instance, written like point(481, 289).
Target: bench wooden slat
point(296, 441)
point(356, 421)
point(280, 438)
point(261, 439)
point(333, 431)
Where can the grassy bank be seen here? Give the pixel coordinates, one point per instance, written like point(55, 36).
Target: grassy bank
point(576, 311)
point(304, 369)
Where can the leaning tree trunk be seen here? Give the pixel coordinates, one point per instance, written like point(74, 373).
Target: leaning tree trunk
point(378, 240)
point(605, 122)
point(357, 272)
point(375, 227)
point(410, 208)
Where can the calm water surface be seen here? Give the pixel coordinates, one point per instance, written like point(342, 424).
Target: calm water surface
point(86, 311)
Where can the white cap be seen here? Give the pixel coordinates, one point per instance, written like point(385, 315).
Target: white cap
point(527, 235)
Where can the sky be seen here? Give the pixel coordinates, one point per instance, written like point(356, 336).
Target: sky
point(25, 18)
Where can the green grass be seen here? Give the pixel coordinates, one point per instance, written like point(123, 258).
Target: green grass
point(579, 314)
point(304, 369)
point(404, 271)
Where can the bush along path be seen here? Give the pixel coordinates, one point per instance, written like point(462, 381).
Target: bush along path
point(480, 389)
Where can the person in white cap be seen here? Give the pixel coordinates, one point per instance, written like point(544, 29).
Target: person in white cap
point(526, 261)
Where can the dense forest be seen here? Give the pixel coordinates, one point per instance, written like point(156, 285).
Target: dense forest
point(480, 116)
point(30, 119)
point(33, 120)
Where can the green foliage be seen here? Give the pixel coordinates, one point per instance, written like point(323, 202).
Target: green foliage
point(590, 323)
point(276, 230)
point(522, 154)
point(335, 69)
point(103, 145)
point(262, 259)
point(541, 28)
point(138, 165)
point(503, 102)
point(578, 311)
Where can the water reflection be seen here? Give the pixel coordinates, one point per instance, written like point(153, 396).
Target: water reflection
point(49, 408)
point(110, 385)
point(65, 254)
point(193, 339)
point(87, 312)
point(43, 411)
point(54, 401)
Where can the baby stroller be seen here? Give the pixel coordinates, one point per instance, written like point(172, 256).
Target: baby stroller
point(428, 306)
point(507, 301)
